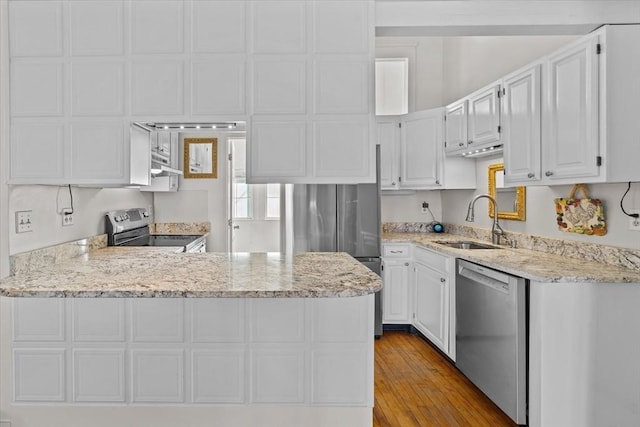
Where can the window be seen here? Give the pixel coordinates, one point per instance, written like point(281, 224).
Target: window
point(242, 200)
point(273, 201)
point(392, 86)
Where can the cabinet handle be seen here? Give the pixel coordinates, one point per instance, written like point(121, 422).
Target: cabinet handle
point(548, 173)
point(396, 252)
point(442, 279)
point(530, 175)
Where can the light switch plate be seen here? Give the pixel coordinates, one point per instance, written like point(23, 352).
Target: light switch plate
point(24, 221)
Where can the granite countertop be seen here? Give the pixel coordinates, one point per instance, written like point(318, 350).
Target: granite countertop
point(159, 272)
point(534, 265)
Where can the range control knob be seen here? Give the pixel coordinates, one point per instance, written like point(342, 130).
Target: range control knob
point(145, 214)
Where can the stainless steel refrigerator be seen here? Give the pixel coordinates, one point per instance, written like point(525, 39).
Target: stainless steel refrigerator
point(340, 218)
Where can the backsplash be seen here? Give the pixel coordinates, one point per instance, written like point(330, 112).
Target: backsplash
point(191, 228)
point(42, 258)
point(611, 255)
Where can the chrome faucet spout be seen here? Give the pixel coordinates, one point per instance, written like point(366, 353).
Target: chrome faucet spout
point(496, 230)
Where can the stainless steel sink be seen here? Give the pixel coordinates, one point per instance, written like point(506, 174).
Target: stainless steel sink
point(466, 245)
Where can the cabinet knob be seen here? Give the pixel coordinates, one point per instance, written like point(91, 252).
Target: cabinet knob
point(406, 264)
point(548, 173)
point(469, 142)
point(438, 181)
point(442, 279)
point(393, 183)
point(460, 144)
point(530, 175)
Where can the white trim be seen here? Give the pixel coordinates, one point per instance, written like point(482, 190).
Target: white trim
point(4, 138)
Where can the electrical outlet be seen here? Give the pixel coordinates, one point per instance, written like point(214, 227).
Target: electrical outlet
point(634, 223)
point(425, 207)
point(24, 222)
point(67, 217)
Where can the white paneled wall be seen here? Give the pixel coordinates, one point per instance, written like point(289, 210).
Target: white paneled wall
point(193, 351)
point(281, 62)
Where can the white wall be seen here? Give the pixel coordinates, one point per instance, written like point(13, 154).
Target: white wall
point(541, 218)
point(4, 104)
point(45, 202)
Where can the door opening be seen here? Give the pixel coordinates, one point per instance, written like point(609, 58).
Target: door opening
point(254, 209)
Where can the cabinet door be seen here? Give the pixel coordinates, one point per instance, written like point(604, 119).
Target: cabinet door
point(455, 130)
point(484, 118)
point(421, 142)
point(521, 117)
point(387, 138)
point(432, 305)
point(395, 292)
point(571, 143)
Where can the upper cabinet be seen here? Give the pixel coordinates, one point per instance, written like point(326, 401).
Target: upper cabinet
point(583, 96)
point(411, 155)
point(299, 73)
point(473, 122)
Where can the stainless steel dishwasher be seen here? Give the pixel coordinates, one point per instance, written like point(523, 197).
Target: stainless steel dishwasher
point(491, 335)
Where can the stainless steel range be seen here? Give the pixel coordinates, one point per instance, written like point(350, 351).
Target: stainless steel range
point(130, 227)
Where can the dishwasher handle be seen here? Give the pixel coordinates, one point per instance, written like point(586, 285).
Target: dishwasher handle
point(492, 279)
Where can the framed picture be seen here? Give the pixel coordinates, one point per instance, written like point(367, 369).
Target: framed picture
point(200, 158)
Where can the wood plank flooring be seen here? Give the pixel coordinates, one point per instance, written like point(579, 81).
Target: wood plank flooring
point(417, 386)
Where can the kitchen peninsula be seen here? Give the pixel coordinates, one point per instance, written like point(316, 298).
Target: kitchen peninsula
point(150, 337)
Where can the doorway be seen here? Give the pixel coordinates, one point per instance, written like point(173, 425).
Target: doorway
point(253, 209)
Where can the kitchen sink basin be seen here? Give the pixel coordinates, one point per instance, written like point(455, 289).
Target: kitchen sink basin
point(467, 245)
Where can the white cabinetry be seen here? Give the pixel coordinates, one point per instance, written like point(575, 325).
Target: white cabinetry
point(411, 155)
point(473, 123)
point(588, 130)
point(521, 124)
point(432, 284)
point(396, 273)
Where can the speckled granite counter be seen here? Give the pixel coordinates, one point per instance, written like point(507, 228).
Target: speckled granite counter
point(533, 265)
point(149, 272)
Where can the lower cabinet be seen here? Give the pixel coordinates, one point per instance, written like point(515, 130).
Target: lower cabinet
point(419, 290)
point(431, 303)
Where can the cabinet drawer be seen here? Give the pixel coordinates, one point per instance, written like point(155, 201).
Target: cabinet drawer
point(432, 259)
point(396, 251)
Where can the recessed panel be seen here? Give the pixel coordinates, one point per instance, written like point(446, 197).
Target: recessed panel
point(340, 319)
point(218, 87)
point(157, 320)
point(39, 375)
point(342, 26)
point(277, 320)
point(351, 140)
point(341, 87)
point(97, 150)
point(157, 27)
point(30, 157)
point(218, 320)
point(278, 149)
point(36, 88)
point(279, 26)
point(97, 89)
point(157, 87)
point(218, 376)
point(98, 319)
point(218, 26)
point(279, 86)
point(157, 375)
point(38, 319)
point(96, 28)
point(35, 28)
point(98, 375)
point(277, 376)
point(340, 375)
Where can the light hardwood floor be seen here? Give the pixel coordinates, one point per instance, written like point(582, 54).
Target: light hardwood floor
point(417, 386)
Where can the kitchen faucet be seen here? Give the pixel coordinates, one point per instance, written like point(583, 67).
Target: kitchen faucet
point(496, 230)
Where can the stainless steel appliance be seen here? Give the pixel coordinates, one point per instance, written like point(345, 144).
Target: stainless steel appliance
point(339, 218)
point(491, 335)
point(130, 227)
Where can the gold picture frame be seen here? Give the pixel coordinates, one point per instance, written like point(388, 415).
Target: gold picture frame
point(514, 197)
point(200, 158)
